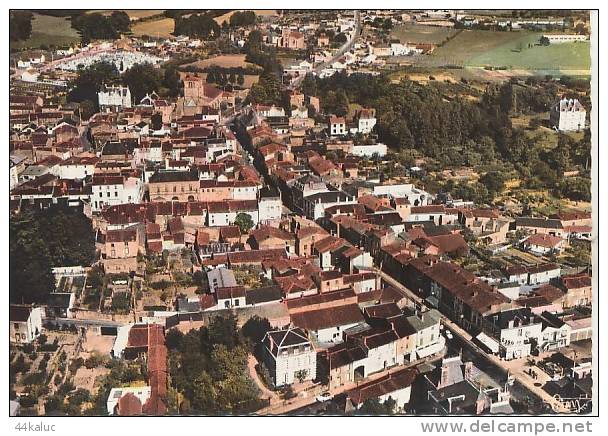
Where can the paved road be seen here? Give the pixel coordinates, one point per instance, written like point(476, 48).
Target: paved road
point(345, 47)
point(524, 386)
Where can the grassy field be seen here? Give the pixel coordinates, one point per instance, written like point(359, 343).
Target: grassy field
point(258, 12)
point(162, 28)
point(47, 30)
point(226, 61)
point(480, 48)
point(418, 33)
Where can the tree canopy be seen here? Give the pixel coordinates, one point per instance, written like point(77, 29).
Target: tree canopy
point(20, 25)
point(244, 222)
point(40, 241)
point(197, 26)
point(209, 367)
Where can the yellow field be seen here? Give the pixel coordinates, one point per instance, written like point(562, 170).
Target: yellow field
point(162, 28)
point(226, 61)
point(260, 12)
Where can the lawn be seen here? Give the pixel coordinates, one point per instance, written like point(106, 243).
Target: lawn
point(47, 30)
point(225, 61)
point(420, 33)
point(161, 28)
point(480, 48)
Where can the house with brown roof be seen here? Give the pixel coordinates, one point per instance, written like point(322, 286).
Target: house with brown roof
point(542, 244)
point(394, 385)
point(327, 325)
point(306, 237)
point(265, 237)
point(174, 186)
point(579, 290)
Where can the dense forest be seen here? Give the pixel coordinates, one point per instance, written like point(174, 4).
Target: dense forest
point(41, 240)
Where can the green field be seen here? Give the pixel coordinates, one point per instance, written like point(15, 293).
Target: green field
point(480, 48)
point(47, 30)
point(418, 33)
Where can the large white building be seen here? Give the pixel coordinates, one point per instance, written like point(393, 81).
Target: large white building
point(25, 323)
point(568, 115)
point(516, 331)
point(114, 97)
point(270, 206)
point(289, 356)
point(115, 190)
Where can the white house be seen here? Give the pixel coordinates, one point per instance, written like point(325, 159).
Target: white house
point(230, 297)
point(25, 323)
point(114, 190)
point(76, 168)
point(367, 121)
point(114, 97)
point(428, 338)
point(568, 115)
point(270, 206)
point(555, 334)
point(337, 126)
point(289, 356)
point(516, 330)
point(369, 150)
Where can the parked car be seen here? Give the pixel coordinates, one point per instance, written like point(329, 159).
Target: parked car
point(448, 334)
point(325, 396)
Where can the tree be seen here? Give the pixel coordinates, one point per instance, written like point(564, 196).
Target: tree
point(222, 330)
point(98, 26)
point(20, 25)
point(171, 81)
point(544, 41)
point(157, 121)
point(255, 329)
point(90, 80)
point(142, 79)
point(87, 109)
point(301, 375)
point(120, 21)
point(494, 181)
point(240, 80)
point(253, 45)
point(244, 222)
point(375, 407)
point(198, 26)
point(40, 240)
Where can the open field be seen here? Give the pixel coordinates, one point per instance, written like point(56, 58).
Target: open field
point(161, 28)
point(419, 33)
point(572, 56)
point(479, 48)
point(47, 30)
point(226, 61)
point(259, 12)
